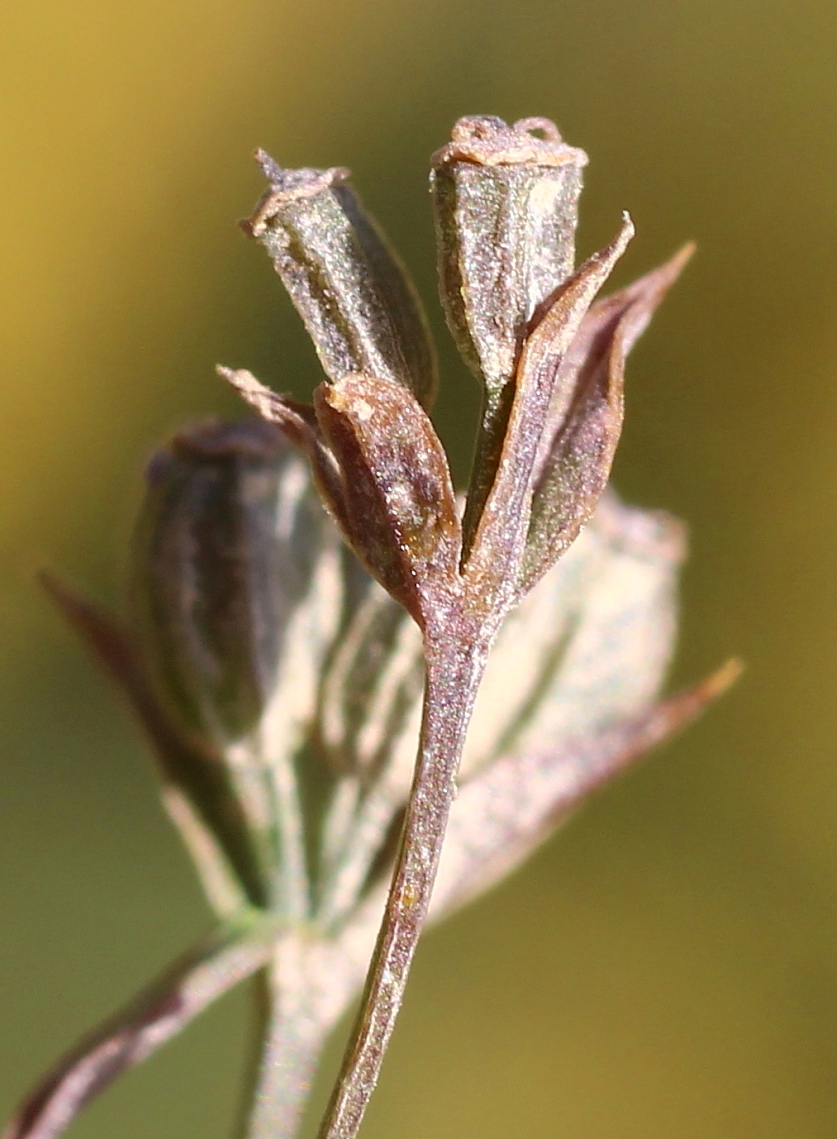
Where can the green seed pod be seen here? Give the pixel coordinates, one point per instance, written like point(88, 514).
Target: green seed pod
point(357, 301)
point(211, 585)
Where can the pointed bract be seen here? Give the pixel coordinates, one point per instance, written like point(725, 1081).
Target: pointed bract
point(401, 516)
point(642, 297)
point(494, 562)
point(585, 419)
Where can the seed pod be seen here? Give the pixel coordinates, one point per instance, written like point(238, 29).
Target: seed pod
point(357, 302)
point(506, 203)
point(506, 210)
point(209, 587)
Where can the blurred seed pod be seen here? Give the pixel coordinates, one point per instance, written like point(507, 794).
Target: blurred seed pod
point(209, 577)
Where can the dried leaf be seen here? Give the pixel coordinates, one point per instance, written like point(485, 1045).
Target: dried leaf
point(578, 467)
point(354, 295)
point(594, 336)
point(401, 516)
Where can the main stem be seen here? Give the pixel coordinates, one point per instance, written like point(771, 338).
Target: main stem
point(456, 657)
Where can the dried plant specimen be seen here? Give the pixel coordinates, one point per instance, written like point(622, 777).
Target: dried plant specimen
point(287, 662)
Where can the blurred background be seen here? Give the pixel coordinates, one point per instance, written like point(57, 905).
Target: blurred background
point(666, 966)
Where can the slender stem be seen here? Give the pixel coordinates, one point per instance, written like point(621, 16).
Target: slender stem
point(455, 662)
point(296, 1034)
point(293, 896)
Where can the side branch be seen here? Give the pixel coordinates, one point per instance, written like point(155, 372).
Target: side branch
point(226, 957)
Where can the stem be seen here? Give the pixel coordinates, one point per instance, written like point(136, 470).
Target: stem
point(296, 1034)
point(292, 885)
point(226, 957)
point(456, 658)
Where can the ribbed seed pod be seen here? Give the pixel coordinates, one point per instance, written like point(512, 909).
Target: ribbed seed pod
point(506, 204)
point(207, 589)
point(357, 301)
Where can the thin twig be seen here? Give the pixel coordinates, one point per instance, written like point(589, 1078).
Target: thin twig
point(452, 680)
point(226, 957)
point(296, 1033)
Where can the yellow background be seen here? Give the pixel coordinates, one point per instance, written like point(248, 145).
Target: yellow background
point(668, 966)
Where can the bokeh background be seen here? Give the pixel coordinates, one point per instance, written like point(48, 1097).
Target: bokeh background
point(668, 965)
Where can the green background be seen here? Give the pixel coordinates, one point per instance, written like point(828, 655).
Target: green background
point(667, 966)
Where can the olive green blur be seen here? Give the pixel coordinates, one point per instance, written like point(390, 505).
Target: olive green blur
point(667, 967)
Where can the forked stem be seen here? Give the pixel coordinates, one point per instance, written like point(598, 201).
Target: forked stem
point(456, 657)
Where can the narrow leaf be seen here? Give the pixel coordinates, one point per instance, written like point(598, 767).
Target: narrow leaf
point(642, 297)
point(584, 426)
point(578, 466)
